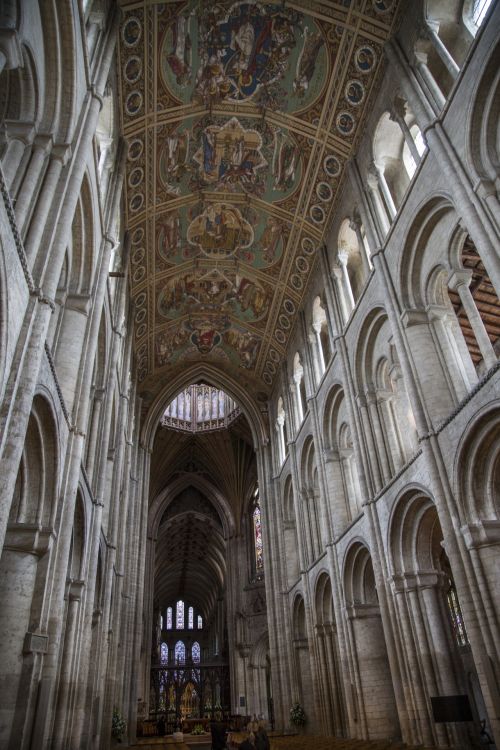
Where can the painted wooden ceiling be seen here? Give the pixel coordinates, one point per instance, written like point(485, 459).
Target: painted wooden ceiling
point(239, 119)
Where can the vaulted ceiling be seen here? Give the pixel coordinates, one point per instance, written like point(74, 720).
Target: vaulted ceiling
point(239, 119)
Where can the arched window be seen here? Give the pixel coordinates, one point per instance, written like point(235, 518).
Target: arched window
point(457, 620)
point(409, 160)
point(479, 10)
point(164, 653)
point(200, 622)
point(196, 652)
point(179, 615)
point(169, 618)
point(180, 652)
point(161, 622)
point(190, 618)
point(257, 536)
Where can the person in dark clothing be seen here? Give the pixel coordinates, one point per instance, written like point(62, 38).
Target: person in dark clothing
point(261, 738)
point(249, 743)
point(218, 731)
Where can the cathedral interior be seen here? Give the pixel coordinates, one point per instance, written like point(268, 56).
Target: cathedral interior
point(249, 371)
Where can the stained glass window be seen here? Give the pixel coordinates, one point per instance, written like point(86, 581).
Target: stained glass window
point(196, 652)
point(179, 616)
point(161, 622)
point(180, 652)
point(169, 618)
point(257, 532)
point(190, 618)
point(164, 653)
point(200, 622)
point(456, 616)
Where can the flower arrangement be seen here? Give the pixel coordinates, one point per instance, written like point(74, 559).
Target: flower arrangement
point(297, 715)
point(198, 729)
point(118, 725)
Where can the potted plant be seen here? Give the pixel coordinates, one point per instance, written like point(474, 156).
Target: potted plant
point(118, 725)
point(297, 715)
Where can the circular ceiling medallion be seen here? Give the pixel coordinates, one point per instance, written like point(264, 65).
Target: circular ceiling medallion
point(139, 274)
point(135, 177)
point(345, 123)
point(136, 202)
point(331, 165)
point(382, 6)
point(307, 245)
point(141, 330)
point(302, 264)
point(296, 281)
point(132, 69)
point(138, 256)
point(138, 235)
point(140, 299)
point(317, 214)
point(354, 92)
point(284, 322)
point(271, 368)
point(324, 191)
point(141, 314)
point(274, 356)
point(365, 59)
point(132, 32)
point(289, 306)
point(133, 103)
point(267, 378)
point(279, 336)
point(135, 149)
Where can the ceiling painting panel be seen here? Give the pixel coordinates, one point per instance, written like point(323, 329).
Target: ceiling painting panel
point(239, 119)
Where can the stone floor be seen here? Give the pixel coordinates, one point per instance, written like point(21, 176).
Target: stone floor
point(300, 742)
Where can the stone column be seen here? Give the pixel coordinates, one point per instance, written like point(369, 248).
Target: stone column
point(460, 282)
point(58, 158)
point(397, 114)
point(355, 225)
point(25, 545)
point(437, 97)
point(319, 349)
point(432, 32)
point(343, 257)
point(337, 279)
point(371, 400)
point(20, 135)
point(335, 680)
point(372, 180)
point(318, 372)
point(41, 147)
point(297, 377)
point(384, 188)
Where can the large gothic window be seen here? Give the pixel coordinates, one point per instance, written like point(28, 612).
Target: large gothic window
point(257, 536)
point(196, 652)
point(200, 622)
point(190, 618)
point(169, 618)
point(180, 652)
point(164, 653)
point(179, 615)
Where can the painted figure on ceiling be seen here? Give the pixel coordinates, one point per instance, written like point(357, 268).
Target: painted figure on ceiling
point(286, 155)
point(180, 57)
point(306, 63)
point(169, 236)
point(270, 239)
